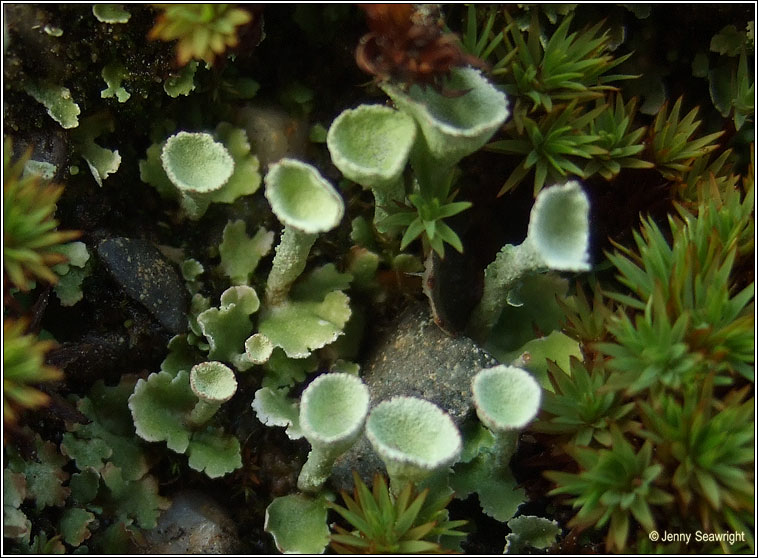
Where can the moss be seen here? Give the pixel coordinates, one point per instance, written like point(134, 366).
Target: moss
point(664, 341)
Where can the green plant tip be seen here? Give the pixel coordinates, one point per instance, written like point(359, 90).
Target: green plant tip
point(370, 144)
point(333, 409)
point(213, 382)
point(559, 227)
point(506, 398)
point(196, 163)
point(414, 437)
point(301, 198)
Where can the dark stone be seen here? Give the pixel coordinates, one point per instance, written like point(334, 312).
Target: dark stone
point(455, 273)
point(91, 357)
point(414, 358)
point(194, 524)
point(145, 275)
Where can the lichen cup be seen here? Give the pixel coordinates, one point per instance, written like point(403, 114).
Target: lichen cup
point(557, 238)
point(506, 400)
point(198, 166)
point(559, 227)
point(306, 204)
point(414, 438)
point(333, 409)
point(213, 383)
point(452, 126)
point(370, 145)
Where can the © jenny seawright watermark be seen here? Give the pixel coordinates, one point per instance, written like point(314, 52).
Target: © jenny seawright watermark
point(729, 537)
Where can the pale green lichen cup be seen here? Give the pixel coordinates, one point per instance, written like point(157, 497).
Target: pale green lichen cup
point(213, 383)
point(333, 410)
point(198, 166)
point(414, 438)
point(506, 400)
point(559, 227)
point(258, 348)
point(370, 145)
point(454, 126)
point(306, 204)
point(557, 238)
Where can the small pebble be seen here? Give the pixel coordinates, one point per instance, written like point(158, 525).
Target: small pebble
point(194, 524)
point(142, 271)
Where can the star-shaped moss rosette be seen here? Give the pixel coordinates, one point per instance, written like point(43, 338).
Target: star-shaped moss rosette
point(24, 366)
point(198, 168)
point(412, 522)
point(613, 486)
point(173, 409)
point(560, 68)
point(557, 238)
point(580, 408)
point(613, 127)
point(30, 238)
point(204, 31)
point(672, 144)
point(676, 287)
point(706, 443)
point(552, 145)
point(425, 217)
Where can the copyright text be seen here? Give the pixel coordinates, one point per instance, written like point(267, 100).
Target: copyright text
point(729, 537)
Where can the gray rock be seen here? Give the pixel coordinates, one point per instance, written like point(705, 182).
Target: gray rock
point(273, 133)
point(142, 271)
point(194, 524)
point(415, 358)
